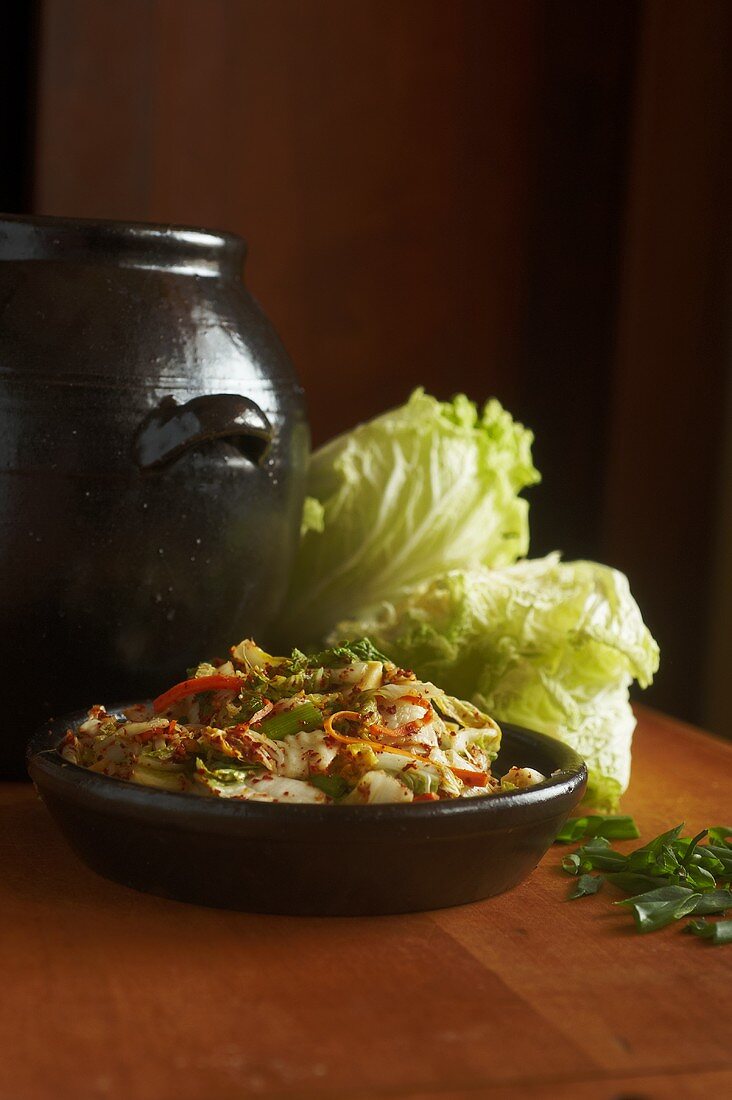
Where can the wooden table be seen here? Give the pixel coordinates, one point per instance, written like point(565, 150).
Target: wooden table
point(113, 994)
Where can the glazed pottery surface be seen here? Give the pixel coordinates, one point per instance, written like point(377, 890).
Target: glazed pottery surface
point(153, 449)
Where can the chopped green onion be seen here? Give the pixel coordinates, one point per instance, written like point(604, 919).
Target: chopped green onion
point(304, 717)
point(724, 856)
point(715, 931)
point(657, 908)
point(715, 901)
point(697, 877)
point(670, 877)
point(612, 827)
point(721, 835)
point(586, 885)
point(631, 882)
point(334, 786)
point(596, 855)
point(572, 864)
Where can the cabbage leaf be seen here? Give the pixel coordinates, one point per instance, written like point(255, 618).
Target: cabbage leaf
point(426, 487)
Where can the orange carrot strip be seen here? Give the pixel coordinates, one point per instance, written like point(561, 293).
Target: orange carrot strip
point(377, 745)
point(195, 686)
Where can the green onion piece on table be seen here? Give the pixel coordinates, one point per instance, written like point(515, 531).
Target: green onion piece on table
point(715, 931)
point(611, 826)
point(586, 885)
point(660, 907)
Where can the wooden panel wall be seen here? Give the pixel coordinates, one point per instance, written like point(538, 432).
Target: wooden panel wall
point(519, 198)
point(577, 208)
point(664, 439)
point(374, 153)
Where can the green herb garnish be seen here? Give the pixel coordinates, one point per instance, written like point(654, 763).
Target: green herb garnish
point(346, 652)
point(670, 877)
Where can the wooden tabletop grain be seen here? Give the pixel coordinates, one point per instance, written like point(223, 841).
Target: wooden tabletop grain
point(110, 993)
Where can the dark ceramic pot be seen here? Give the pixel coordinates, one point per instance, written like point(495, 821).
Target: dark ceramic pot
point(153, 446)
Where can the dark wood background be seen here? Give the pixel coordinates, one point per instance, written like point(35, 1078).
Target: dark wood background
point(526, 199)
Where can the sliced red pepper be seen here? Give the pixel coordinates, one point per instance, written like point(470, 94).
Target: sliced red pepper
point(471, 779)
point(195, 686)
point(426, 798)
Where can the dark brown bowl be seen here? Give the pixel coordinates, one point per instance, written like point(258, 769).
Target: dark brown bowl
point(305, 859)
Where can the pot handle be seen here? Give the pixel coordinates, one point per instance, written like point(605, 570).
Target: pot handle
point(170, 429)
